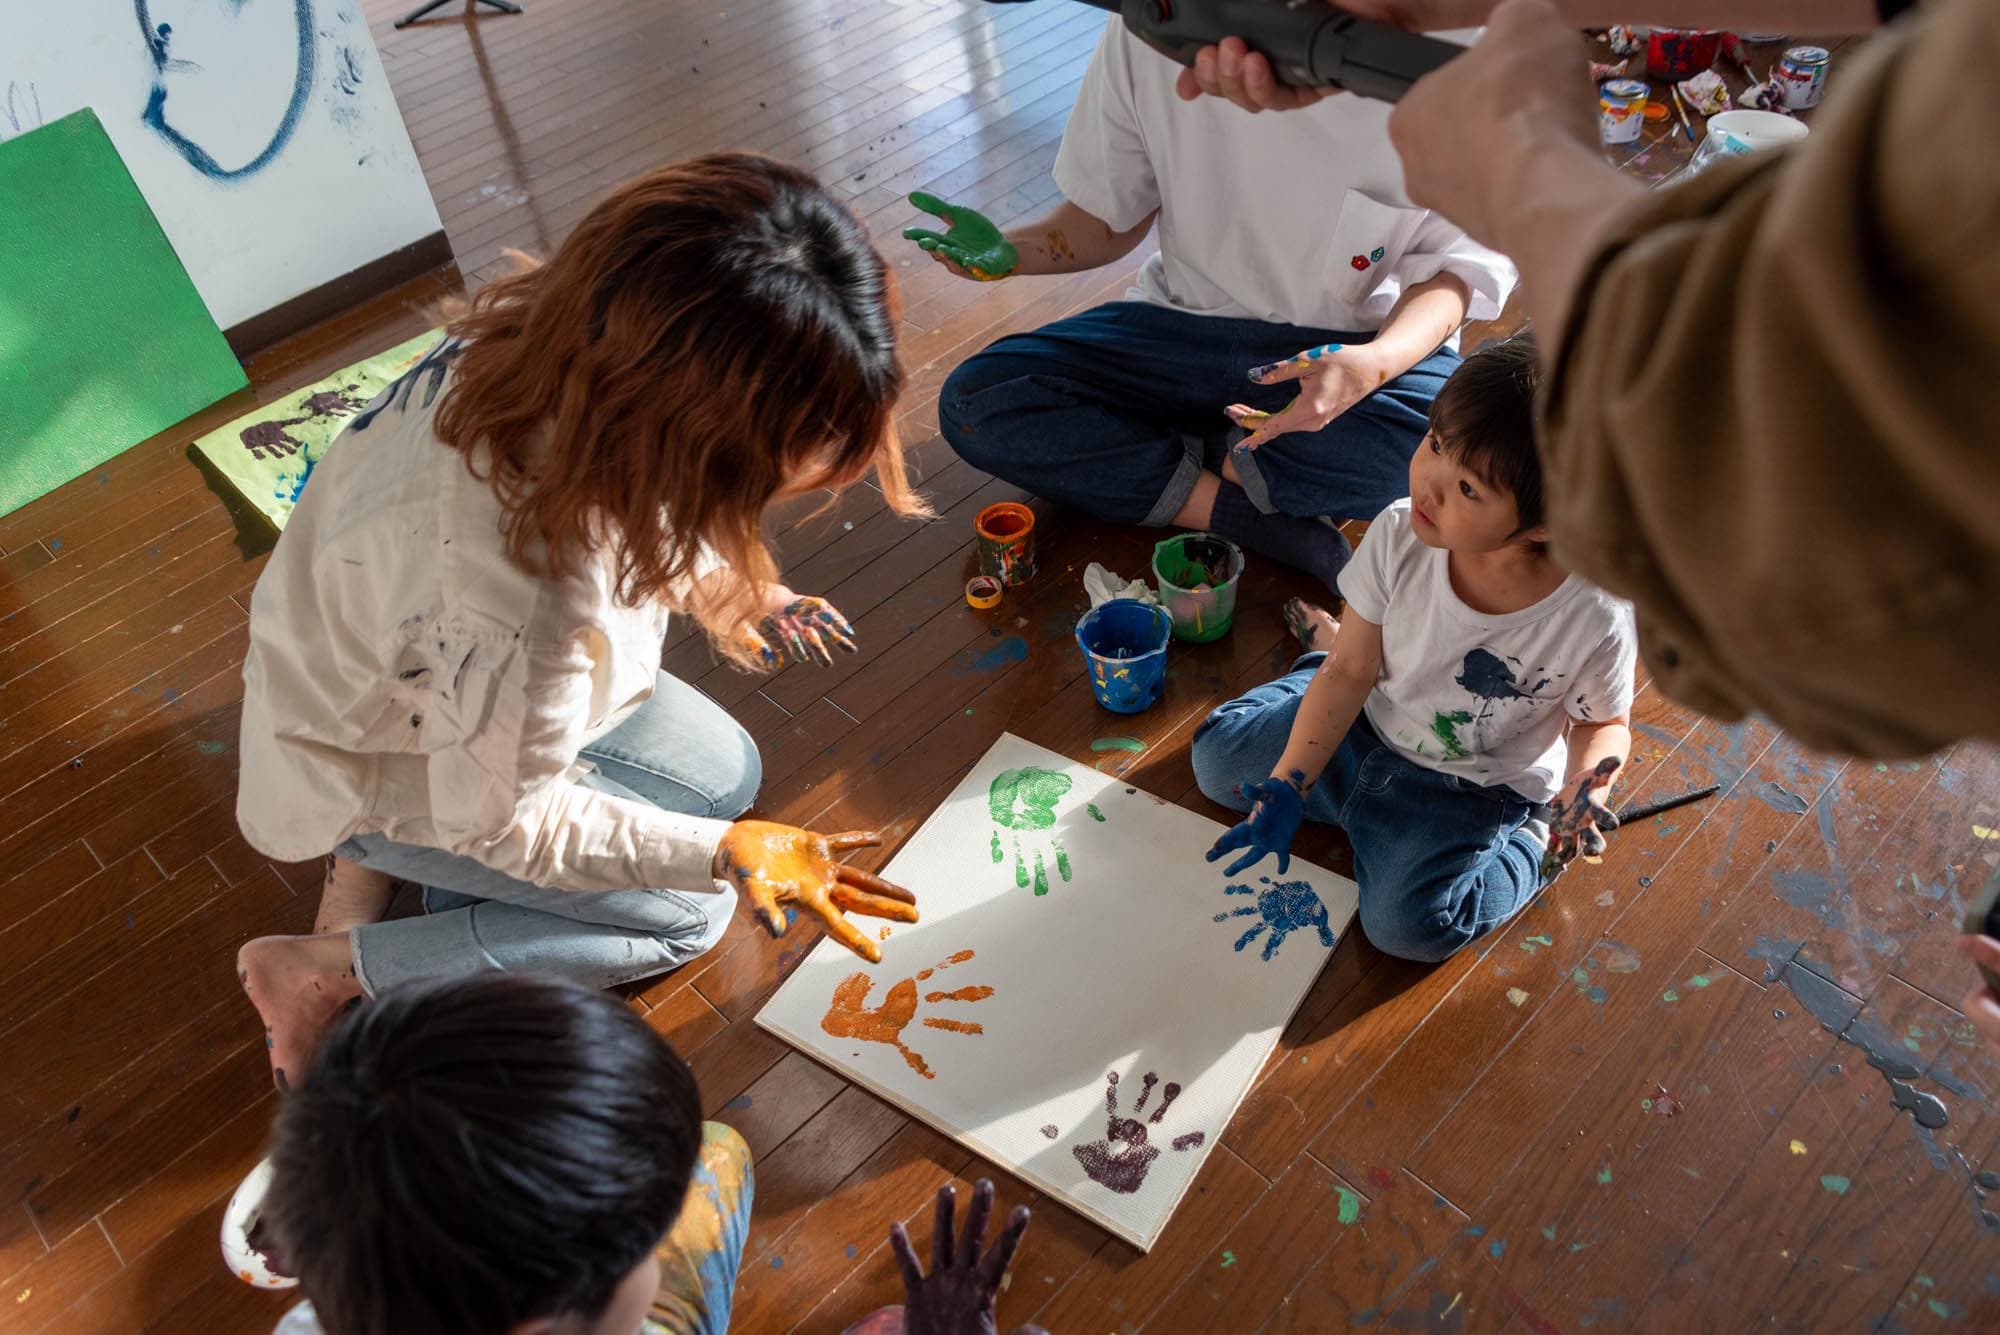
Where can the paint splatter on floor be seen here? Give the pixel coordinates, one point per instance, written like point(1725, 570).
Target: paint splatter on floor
point(1534, 943)
point(1228, 1260)
point(1010, 650)
point(1350, 1205)
point(1835, 1183)
point(1517, 995)
point(1798, 1147)
point(1117, 744)
point(1604, 1176)
point(1782, 799)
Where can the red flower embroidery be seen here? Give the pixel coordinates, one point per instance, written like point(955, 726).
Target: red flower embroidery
point(1359, 261)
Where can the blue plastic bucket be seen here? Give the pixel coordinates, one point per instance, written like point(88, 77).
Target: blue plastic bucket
point(1124, 643)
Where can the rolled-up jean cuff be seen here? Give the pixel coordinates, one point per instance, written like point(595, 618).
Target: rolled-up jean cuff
point(1250, 477)
point(1179, 487)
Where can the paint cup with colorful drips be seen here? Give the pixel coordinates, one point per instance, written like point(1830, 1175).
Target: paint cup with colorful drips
point(1124, 645)
point(1006, 533)
point(1197, 574)
point(1621, 110)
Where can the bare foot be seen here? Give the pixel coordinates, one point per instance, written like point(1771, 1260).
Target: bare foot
point(352, 895)
point(298, 984)
point(1313, 625)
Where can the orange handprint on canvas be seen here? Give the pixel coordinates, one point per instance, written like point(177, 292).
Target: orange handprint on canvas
point(850, 1017)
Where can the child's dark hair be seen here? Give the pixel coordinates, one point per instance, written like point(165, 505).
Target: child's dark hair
point(1484, 418)
point(471, 1154)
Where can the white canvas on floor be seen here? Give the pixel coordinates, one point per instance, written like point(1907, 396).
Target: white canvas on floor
point(1086, 1000)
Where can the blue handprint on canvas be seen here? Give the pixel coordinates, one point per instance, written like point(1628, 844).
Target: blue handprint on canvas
point(1284, 907)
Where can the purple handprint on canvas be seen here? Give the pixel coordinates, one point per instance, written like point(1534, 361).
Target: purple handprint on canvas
point(1123, 1158)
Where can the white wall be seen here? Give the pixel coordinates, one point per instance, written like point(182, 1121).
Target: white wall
point(275, 164)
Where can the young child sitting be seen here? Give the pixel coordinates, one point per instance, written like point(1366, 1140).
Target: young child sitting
point(1438, 718)
point(508, 1153)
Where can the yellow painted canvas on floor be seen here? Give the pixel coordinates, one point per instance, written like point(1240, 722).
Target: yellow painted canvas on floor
point(269, 455)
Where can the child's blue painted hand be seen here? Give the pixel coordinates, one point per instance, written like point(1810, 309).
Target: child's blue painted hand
point(1271, 825)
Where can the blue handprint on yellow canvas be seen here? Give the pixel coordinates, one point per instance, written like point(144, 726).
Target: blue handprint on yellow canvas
point(1025, 799)
point(1284, 907)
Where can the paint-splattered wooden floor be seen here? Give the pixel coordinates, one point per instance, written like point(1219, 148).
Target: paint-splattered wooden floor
point(1624, 1111)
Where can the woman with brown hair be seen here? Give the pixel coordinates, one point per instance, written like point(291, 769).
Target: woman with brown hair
point(453, 676)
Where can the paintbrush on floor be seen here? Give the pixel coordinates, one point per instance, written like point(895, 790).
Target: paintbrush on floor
point(1641, 810)
point(1681, 108)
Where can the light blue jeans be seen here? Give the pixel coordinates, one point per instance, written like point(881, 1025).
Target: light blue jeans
point(680, 752)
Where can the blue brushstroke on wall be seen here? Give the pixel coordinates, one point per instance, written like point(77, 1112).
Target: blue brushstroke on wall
point(159, 36)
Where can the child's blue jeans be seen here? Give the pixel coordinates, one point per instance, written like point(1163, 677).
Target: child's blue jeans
point(1440, 860)
point(1116, 411)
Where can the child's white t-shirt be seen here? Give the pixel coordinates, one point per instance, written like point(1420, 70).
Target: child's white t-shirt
point(1299, 218)
point(1487, 697)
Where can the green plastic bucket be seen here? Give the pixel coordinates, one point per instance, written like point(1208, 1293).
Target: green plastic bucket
point(1197, 574)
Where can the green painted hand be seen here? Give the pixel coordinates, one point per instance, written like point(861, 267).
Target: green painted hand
point(970, 241)
point(1025, 799)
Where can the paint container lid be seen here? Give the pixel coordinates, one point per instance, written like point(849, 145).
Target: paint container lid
point(1625, 89)
point(1807, 55)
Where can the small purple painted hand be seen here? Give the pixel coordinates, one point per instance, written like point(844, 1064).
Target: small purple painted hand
point(1123, 1158)
point(1269, 828)
point(959, 1294)
point(800, 630)
point(1573, 824)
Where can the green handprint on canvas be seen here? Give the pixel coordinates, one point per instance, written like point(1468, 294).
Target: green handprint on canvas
point(971, 241)
point(1025, 799)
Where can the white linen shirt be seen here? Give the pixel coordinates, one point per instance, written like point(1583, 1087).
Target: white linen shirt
point(1299, 218)
point(406, 678)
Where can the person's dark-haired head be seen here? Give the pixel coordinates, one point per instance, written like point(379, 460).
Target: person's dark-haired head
point(475, 1156)
point(1483, 420)
point(1475, 481)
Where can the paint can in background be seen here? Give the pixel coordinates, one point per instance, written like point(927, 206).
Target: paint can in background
point(1006, 534)
point(1681, 53)
point(1802, 75)
point(1734, 133)
point(1621, 110)
point(1761, 38)
point(1197, 574)
point(1124, 645)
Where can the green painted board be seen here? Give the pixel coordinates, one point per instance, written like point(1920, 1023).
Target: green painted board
point(269, 454)
point(103, 339)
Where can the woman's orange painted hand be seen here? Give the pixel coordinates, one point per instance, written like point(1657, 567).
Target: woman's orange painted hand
point(776, 865)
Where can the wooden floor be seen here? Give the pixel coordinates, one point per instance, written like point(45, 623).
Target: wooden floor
point(1623, 1111)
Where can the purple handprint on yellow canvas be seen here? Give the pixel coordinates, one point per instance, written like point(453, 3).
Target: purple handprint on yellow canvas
point(1123, 1158)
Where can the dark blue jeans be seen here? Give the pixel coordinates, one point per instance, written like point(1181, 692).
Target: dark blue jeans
point(1116, 411)
point(1440, 860)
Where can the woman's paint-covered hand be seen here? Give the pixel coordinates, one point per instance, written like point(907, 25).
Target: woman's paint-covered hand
point(960, 1294)
point(1332, 379)
point(971, 245)
point(777, 865)
point(1574, 823)
point(1269, 828)
point(799, 630)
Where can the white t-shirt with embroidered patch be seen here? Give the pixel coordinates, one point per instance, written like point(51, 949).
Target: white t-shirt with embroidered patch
point(1299, 218)
point(1487, 697)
